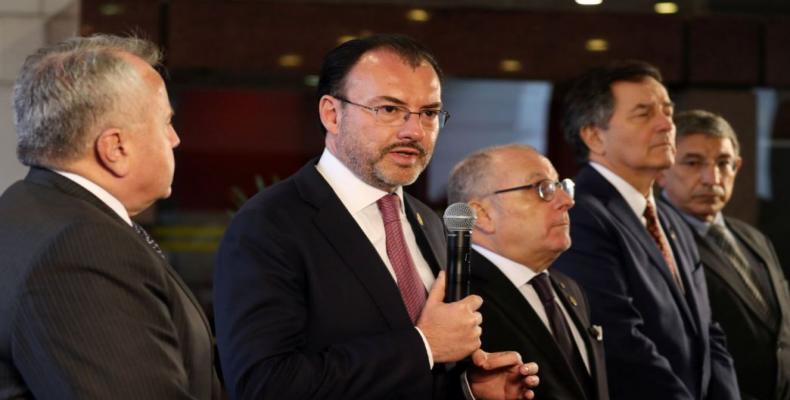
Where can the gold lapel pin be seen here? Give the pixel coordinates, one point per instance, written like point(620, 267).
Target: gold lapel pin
point(573, 300)
point(419, 218)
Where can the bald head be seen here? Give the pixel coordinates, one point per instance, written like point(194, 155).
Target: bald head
point(515, 217)
point(476, 175)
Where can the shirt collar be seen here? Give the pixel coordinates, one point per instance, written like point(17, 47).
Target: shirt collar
point(518, 274)
point(99, 192)
point(701, 227)
point(354, 193)
point(636, 201)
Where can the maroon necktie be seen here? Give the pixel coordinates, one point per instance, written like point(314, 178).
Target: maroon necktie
point(658, 236)
point(411, 288)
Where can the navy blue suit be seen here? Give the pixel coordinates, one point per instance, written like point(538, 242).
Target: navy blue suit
point(660, 343)
point(305, 307)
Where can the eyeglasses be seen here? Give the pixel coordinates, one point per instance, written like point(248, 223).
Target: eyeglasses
point(393, 115)
point(724, 166)
point(546, 188)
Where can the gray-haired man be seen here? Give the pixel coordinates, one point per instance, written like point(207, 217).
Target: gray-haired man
point(746, 285)
point(89, 307)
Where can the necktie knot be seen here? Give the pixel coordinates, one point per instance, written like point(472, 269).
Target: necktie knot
point(650, 214)
point(543, 288)
point(389, 206)
point(718, 234)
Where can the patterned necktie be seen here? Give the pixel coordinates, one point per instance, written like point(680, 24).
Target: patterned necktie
point(148, 239)
point(559, 326)
point(717, 233)
point(658, 236)
point(411, 288)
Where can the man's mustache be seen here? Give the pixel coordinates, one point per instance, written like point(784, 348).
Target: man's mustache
point(413, 145)
point(710, 191)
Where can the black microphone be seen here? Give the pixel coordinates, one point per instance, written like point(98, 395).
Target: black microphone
point(459, 219)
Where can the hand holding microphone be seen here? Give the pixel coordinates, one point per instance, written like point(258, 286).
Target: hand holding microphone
point(452, 326)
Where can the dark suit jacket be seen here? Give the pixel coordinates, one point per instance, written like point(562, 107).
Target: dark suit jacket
point(87, 309)
point(757, 343)
point(306, 309)
point(510, 323)
point(660, 343)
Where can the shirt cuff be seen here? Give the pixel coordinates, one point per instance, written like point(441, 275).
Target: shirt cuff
point(465, 388)
point(427, 348)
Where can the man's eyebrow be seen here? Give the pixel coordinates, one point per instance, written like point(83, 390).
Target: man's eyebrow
point(400, 102)
point(648, 105)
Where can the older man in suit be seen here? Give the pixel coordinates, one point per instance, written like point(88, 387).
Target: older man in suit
point(635, 259)
point(747, 288)
point(522, 226)
point(89, 307)
point(326, 283)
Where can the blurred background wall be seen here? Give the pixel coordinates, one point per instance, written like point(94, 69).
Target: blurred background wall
point(242, 75)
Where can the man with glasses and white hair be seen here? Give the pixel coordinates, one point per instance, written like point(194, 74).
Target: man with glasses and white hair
point(522, 226)
point(89, 306)
point(746, 285)
point(328, 284)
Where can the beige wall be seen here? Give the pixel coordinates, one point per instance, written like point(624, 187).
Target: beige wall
point(25, 25)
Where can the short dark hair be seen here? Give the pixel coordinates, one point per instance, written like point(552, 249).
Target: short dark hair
point(707, 123)
point(590, 102)
point(340, 60)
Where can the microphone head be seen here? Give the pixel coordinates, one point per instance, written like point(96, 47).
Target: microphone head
point(459, 217)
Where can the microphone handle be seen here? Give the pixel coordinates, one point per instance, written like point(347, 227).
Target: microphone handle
point(458, 265)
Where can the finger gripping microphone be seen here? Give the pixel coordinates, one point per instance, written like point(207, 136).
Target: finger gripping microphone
point(459, 219)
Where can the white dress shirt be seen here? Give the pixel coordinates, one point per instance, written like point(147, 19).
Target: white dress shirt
point(99, 192)
point(359, 199)
point(520, 275)
point(636, 200)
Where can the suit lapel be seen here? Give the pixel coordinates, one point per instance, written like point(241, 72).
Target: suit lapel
point(499, 291)
point(431, 249)
point(595, 183)
point(595, 359)
point(67, 186)
point(720, 266)
point(338, 227)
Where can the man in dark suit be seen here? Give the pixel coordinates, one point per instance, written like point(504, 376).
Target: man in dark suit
point(637, 261)
point(522, 226)
point(321, 282)
point(90, 308)
point(746, 286)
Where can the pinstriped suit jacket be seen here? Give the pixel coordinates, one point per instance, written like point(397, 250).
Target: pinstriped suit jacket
point(87, 309)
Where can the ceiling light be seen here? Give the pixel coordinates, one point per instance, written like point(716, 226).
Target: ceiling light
point(596, 44)
point(666, 7)
point(311, 80)
point(290, 60)
point(510, 65)
point(345, 38)
point(418, 15)
point(110, 9)
point(588, 2)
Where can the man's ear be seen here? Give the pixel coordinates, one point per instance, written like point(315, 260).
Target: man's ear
point(737, 166)
point(112, 149)
point(593, 138)
point(330, 114)
point(484, 223)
